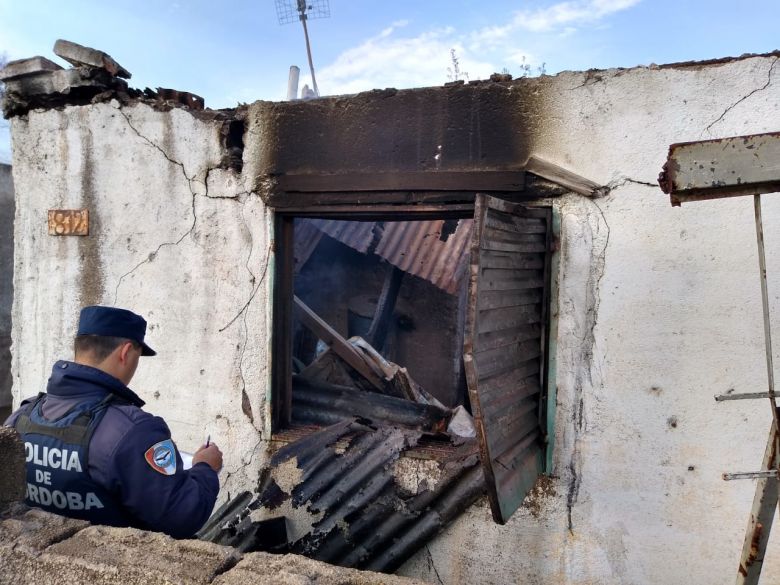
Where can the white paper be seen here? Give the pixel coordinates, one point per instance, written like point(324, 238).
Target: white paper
point(186, 459)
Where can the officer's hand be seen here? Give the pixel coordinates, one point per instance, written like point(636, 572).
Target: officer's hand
point(210, 455)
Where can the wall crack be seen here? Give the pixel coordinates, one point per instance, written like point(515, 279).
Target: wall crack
point(190, 180)
point(616, 184)
point(243, 465)
point(432, 565)
point(743, 98)
point(584, 377)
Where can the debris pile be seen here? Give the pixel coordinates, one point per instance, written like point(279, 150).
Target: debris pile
point(366, 519)
point(38, 82)
point(362, 513)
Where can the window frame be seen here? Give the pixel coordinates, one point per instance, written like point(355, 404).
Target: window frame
point(283, 289)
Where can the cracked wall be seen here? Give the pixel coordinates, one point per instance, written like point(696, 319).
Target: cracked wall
point(173, 237)
point(657, 310)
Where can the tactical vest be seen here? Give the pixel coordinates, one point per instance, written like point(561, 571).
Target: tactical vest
point(57, 454)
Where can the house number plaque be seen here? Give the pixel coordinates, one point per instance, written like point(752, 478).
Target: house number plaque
point(68, 222)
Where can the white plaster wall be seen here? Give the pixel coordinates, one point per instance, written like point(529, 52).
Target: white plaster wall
point(173, 238)
point(658, 310)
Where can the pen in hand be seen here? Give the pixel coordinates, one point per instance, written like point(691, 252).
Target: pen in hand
point(208, 440)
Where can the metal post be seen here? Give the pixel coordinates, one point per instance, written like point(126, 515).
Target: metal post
point(308, 52)
point(762, 515)
point(766, 497)
point(770, 370)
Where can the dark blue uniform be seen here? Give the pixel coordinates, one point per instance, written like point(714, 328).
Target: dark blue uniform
point(92, 453)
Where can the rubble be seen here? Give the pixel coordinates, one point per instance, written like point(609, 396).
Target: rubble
point(366, 519)
point(79, 55)
point(95, 76)
point(21, 67)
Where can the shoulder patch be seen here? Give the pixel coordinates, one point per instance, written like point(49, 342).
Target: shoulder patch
point(162, 457)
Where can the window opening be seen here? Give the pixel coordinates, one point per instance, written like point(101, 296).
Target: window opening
point(424, 321)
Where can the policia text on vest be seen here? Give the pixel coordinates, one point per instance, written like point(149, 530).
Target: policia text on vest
point(56, 459)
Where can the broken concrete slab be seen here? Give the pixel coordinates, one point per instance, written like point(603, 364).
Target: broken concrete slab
point(56, 82)
point(13, 482)
point(22, 67)
point(32, 530)
point(150, 557)
point(78, 55)
point(262, 567)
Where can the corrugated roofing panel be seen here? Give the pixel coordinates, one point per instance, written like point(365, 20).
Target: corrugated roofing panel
point(367, 521)
point(355, 234)
point(416, 247)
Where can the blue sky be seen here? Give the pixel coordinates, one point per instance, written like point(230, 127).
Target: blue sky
point(236, 51)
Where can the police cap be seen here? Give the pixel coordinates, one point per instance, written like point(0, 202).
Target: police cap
point(114, 322)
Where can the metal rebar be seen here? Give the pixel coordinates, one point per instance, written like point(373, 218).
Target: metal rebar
point(745, 396)
point(763, 474)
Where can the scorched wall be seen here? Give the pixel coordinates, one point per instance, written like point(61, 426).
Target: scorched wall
point(657, 308)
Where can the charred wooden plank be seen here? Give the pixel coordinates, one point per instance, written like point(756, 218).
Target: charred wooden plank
point(339, 345)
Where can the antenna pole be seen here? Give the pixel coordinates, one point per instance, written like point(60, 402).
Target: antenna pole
point(302, 11)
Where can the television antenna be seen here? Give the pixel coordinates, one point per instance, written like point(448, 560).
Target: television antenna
point(288, 11)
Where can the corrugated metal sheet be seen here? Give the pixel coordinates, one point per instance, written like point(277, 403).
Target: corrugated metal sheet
point(505, 344)
point(367, 521)
point(355, 234)
point(415, 247)
point(307, 236)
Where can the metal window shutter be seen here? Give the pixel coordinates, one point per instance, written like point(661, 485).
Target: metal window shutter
point(505, 345)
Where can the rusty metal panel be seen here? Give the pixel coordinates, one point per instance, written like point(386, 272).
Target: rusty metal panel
point(505, 345)
point(421, 248)
point(68, 222)
point(424, 249)
point(726, 167)
point(358, 235)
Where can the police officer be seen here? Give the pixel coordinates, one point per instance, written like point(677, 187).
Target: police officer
point(92, 453)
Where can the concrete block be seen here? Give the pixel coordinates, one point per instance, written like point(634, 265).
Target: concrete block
point(79, 55)
point(139, 556)
point(265, 568)
point(32, 530)
point(22, 67)
point(13, 482)
point(51, 82)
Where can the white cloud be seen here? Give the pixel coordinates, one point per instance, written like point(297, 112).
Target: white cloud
point(568, 14)
point(389, 60)
point(392, 59)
